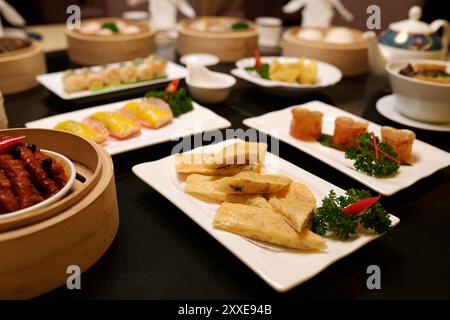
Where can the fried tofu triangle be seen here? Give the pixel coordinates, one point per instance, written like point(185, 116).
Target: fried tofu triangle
point(242, 153)
point(183, 165)
point(296, 203)
point(251, 182)
point(264, 225)
point(202, 187)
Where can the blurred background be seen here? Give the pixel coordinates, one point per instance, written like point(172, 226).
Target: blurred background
point(51, 11)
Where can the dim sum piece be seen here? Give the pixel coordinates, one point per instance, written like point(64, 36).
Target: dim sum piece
point(154, 114)
point(82, 130)
point(306, 124)
point(202, 187)
point(111, 76)
point(264, 225)
point(346, 132)
point(145, 71)
point(128, 73)
point(117, 125)
point(74, 82)
point(295, 203)
point(90, 27)
point(159, 65)
point(401, 141)
point(308, 75)
point(94, 80)
point(252, 182)
point(105, 32)
point(285, 72)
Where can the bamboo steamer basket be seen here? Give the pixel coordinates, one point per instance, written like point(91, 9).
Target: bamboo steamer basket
point(350, 58)
point(229, 46)
point(19, 68)
point(37, 247)
point(87, 49)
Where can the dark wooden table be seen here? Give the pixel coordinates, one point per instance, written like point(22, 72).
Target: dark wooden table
point(159, 253)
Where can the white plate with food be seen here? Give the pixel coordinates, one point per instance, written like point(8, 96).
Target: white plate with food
point(386, 107)
point(269, 232)
point(287, 74)
point(119, 127)
point(87, 82)
point(424, 158)
point(31, 177)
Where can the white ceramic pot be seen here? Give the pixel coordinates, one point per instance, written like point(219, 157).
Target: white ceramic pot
point(418, 99)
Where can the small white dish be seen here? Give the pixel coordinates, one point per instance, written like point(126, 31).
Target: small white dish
point(196, 121)
point(428, 159)
point(208, 86)
point(70, 170)
point(53, 82)
point(202, 58)
point(386, 107)
point(327, 75)
point(281, 269)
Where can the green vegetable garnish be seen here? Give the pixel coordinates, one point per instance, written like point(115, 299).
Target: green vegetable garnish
point(263, 70)
point(330, 216)
point(366, 160)
point(325, 140)
point(239, 26)
point(178, 101)
point(111, 26)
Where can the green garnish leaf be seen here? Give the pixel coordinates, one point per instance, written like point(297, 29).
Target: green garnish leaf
point(365, 157)
point(263, 70)
point(239, 26)
point(178, 101)
point(325, 140)
point(111, 26)
point(330, 216)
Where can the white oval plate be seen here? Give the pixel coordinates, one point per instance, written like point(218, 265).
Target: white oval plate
point(72, 173)
point(386, 107)
point(327, 75)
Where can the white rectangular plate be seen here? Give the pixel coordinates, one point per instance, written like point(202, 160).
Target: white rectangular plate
point(429, 159)
point(196, 121)
point(281, 269)
point(54, 83)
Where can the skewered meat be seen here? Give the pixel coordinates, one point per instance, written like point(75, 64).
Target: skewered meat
point(37, 174)
point(27, 195)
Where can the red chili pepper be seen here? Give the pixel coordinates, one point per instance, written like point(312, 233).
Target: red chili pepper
point(375, 145)
point(172, 86)
point(387, 155)
point(361, 205)
point(7, 142)
point(257, 59)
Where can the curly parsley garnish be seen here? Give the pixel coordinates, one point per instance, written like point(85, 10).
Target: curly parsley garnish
point(330, 216)
point(378, 161)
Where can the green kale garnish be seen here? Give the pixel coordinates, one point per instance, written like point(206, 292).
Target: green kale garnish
point(239, 26)
point(330, 215)
point(178, 101)
point(365, 157)
point(263, 70)
point(111, 26)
